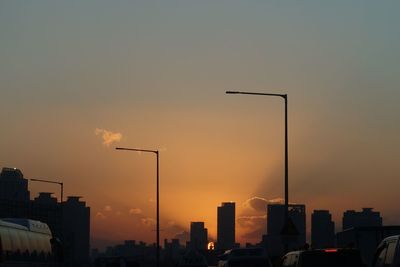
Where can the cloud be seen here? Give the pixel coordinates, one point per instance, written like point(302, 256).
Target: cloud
point(108, 136)
point(107, 208)
point(259, 204)
point(254, 226)
point(148, 221)
point(100, 215)
point(135, 211)
point(251, 221)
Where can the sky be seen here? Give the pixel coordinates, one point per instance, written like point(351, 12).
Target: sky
point(78, 78)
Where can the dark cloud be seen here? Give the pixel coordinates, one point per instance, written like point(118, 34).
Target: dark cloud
point(259, 204)
point(183, 237)
point(253, 226)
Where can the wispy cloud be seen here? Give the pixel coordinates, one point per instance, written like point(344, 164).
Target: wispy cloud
point(107, 208)
point(108, 136)
point(260, 204)
point(135, 211)
point(148, 221)
point(100, 215)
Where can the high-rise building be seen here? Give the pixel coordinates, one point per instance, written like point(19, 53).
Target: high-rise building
point(226, 226)
point(276, 222)
point(198, 236)
point(366, 217)
point(13, 185)
point(76, 230)
point(322, 229)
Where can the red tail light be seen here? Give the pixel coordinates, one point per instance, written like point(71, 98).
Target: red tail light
point(330, 250)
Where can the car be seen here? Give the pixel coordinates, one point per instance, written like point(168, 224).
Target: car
point(244, 257)
point(388, 253)
point(333, 257)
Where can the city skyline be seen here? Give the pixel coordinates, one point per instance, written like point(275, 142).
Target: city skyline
point(15, 188)
point(78, 79)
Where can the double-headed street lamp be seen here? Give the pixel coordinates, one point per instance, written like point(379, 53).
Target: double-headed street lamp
point(52, 182)
point(158, 199)
point(285, 97)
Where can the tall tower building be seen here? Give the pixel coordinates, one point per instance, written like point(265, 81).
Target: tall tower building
point(76, 230)
point(322, 229)
point(276, 222)
point(366, 217)
point(198, 236)
point(226, 226)
point(13, 185)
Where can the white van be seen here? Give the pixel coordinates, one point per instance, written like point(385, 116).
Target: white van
point(388, 253)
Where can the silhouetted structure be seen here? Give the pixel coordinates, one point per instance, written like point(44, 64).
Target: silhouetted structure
point(13, 185)
point(45, 208)
point(138, 251)
point(69, 221)
point(273, 241)
point(76, 231)
point(322, 229)
point(366, 238)
point(226, 226)
point(198, 236)
point(366, 217)
point(172, 251)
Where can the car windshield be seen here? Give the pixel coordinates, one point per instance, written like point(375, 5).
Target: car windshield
point(331, 259)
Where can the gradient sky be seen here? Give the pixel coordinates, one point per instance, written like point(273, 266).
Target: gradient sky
point(156, 72)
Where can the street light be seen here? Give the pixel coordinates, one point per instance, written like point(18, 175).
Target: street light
point(158, 199)
point(285, 97)
point(52, 182)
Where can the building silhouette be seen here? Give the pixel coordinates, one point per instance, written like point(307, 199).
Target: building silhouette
point(198, 236)
point(13, 185)
point(130, 249)
point(226, 226)
point(76, 231)
point(322, 229)
point(366, 217)
point(69, 221)
point(273, 240)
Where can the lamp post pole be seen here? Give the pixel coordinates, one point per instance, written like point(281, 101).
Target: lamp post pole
point(157, 195)
point(285, 97)
point(52, 182)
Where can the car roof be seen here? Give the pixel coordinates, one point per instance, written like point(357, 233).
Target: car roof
point(311, 251)
point(393, 237)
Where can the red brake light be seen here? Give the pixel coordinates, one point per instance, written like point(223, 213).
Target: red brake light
point(330, 250)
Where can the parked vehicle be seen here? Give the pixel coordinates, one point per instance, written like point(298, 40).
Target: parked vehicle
point(244, 257)
point(335, 257)
point(388, 253)
point(366, 239)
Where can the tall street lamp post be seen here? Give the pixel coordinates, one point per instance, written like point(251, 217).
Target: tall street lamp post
point(285, 97)
point(52, 182)
point(158, 198)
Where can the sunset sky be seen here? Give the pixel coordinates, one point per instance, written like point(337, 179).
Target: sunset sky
point(78, 78)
